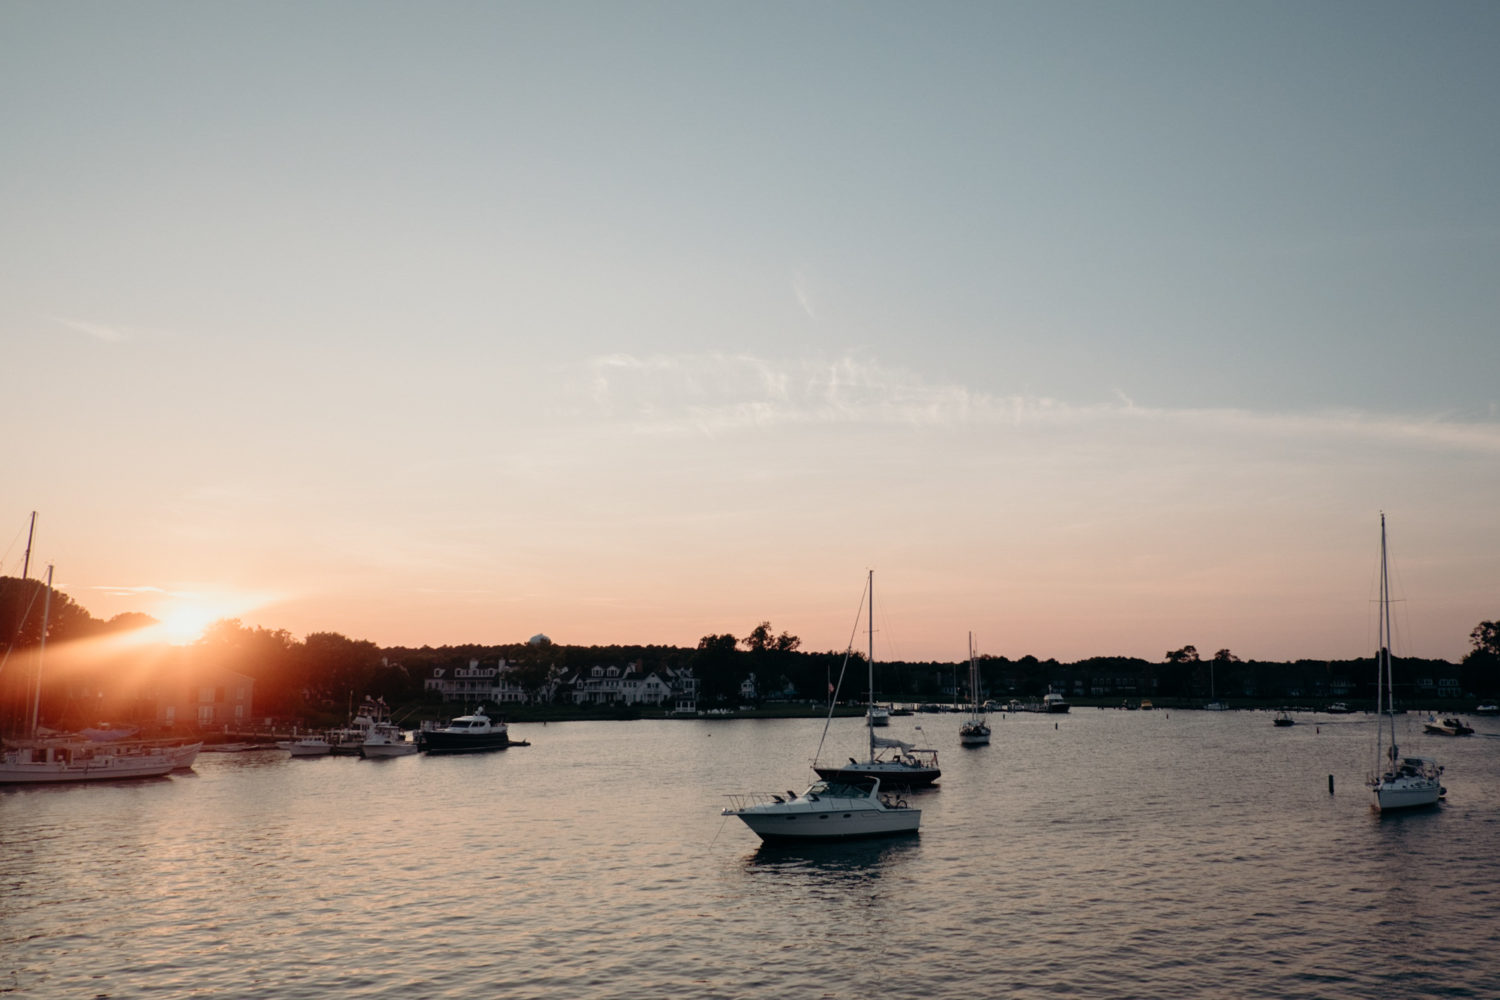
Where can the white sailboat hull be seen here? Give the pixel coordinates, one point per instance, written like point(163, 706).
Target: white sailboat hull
point(1398, 795)
point(892, 773)
point(1415, 782)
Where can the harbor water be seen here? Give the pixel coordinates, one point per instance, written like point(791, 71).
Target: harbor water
point(1096, 854)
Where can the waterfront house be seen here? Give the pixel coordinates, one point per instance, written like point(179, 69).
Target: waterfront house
point(476, 683)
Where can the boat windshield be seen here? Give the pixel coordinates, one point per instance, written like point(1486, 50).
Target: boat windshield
point(842, 789)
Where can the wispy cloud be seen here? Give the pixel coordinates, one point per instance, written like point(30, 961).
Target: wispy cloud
point(99, 331)
point(802, 289)
point(722, 393)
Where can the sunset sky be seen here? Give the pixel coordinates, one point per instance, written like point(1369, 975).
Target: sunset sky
point(1092, 328)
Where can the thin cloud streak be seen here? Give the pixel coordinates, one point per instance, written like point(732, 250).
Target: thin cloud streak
point(721, 393)
point(99, 331)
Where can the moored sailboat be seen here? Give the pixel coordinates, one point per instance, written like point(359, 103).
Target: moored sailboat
point(975, 732)
point(1398, 782)
point(896, 763)
point(71, 758)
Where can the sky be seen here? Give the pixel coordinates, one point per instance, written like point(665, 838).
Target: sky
point(1092, 328)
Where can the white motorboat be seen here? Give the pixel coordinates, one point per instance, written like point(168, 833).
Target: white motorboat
point(468, 734)
point(1399, 782)
point(349, 741)
point(827, 810)
point(1056, 703)
point(896, 763)
point(975, 731)
point(878, 715)
point(1450, 726)
point(385, 739)
point(307, 746)
point(54, 760)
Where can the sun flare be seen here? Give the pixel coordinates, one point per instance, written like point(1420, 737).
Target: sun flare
point(183, 616)
point(185, 624)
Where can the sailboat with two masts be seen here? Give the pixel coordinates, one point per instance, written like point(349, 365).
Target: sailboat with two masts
point(975, 732)
point(1398, 782)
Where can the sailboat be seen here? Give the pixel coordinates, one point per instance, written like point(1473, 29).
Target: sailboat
point(70, 758)
point(1398, 782)
point(836, 807)
point(975, 732)
point(1214, 704)
point(896, 763)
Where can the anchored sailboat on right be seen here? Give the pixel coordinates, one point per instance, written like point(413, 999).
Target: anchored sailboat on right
point(1399, 782)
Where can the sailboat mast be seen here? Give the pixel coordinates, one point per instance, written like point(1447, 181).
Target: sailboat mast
point(870, 707)
point(1385, 638)
point(26, 562)
point(974, 681)
point(36, 692)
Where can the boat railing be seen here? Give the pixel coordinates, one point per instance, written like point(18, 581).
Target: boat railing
point(746, 800)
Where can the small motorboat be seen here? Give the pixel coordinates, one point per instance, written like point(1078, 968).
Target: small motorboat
point(1283, 718)
point(468, 734)
point(306, 746)
point(828, 810)
point(1448, 727)
point(385, 739)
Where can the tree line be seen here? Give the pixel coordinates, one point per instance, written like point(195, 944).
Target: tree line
point(318, 674)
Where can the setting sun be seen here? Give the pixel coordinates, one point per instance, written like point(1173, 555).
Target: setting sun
point(185, 623)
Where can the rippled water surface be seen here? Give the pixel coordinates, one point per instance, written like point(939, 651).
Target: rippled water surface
point(1098, 854)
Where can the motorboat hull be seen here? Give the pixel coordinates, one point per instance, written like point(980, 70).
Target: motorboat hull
point(791, 827)
point(403, 748)
point(306, 748)
point(831, 810)
point(441, 742)
point(29, 766)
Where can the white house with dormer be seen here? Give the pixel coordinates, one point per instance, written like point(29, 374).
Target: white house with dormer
point(476, 683)
point(630, 685)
